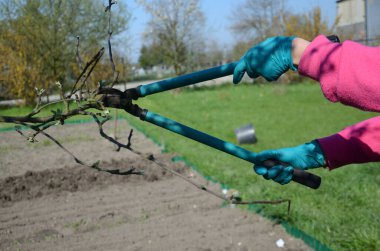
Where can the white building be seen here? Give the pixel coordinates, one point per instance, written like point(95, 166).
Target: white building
point(359, 19)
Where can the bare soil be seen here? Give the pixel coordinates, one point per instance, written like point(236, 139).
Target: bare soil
point(48, 202)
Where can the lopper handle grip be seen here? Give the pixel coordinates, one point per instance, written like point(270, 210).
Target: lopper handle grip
point(300, 176)
point(187, 79)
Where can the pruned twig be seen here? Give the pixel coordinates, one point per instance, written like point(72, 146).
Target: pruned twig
point(79, 59)
point(113, 67)
point(92, 63)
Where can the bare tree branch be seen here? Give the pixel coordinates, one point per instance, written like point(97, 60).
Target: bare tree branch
point(93, 62)
point(79, 59)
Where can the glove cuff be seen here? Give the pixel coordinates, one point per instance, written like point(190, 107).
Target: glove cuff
point(291, 65)
point(317, 152)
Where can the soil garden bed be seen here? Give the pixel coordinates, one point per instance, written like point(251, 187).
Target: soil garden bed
point(48, 202)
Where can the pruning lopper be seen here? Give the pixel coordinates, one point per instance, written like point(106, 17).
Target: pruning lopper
point(124, 100)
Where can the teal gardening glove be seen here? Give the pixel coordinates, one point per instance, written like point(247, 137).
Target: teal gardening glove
point(269, 59)
point(306, 156)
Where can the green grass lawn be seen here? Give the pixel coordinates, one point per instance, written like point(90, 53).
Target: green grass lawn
point(343, 213)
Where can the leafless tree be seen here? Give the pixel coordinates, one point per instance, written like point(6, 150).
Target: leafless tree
point(259, 19)
point(176, 25)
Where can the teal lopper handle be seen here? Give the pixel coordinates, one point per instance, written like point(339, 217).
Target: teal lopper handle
point(299, 176)
point(187, 79)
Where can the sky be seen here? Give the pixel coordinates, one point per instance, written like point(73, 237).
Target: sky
point(218, 14)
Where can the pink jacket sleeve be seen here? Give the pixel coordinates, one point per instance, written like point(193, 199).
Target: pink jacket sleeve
point(348, 73)
point(359, 143)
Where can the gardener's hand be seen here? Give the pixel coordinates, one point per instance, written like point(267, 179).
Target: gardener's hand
point(306, 156)
point(269, 59)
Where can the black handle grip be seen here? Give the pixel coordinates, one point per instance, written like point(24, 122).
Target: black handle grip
point(299, 176)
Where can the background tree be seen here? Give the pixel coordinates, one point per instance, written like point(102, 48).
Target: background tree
point(215, 54)
point(175, 30)
point(240, 48)
point(14, 67)
point(150, 55)
point(308, 25)
point(259, 19)
point(256, 20)
point(40, 38)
